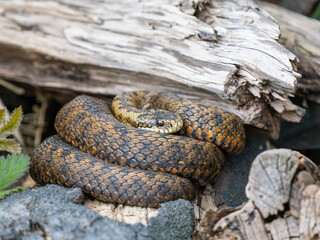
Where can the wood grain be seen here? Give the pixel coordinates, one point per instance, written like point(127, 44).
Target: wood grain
point(300, 34)
point(223, 52)
point(283, 192)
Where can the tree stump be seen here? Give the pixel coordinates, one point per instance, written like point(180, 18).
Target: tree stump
point(283, 192)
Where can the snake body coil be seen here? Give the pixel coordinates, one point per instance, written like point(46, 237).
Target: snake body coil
point(141, 167)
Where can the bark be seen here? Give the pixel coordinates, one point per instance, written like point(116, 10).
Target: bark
point(300, 34)
point(218, 52)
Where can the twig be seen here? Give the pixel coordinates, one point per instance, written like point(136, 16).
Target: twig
point(41, 112)
point(13, 88)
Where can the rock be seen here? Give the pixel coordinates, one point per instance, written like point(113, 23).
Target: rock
point(53, 212)
point(179, 214)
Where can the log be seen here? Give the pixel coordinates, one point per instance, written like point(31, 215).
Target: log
point(218, 52)
point(300, 35)
point(283, 192)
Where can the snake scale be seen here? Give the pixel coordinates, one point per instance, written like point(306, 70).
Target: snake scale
point(140, 167)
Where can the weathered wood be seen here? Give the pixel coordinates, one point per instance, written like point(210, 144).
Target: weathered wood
point(300, 34)
point(269, 181)
point(283, 192)
point(222, 52)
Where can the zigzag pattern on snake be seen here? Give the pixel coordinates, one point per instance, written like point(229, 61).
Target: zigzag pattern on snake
point(117, 163)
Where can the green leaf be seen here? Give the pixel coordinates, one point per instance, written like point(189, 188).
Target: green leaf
point(13, 123)
point(316, 13)
point(12, 168)
point(7, 192)
point(2, 115)
point(9, 145)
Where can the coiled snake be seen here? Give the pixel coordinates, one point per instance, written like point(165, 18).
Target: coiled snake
point(141, 167)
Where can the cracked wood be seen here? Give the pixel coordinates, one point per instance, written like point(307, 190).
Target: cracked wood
point(222, 52)
point(283, 192)
point(300, 34)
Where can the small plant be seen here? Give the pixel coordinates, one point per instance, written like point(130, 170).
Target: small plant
point(316, 13)
point(9, 127)
point(12, 168)
point(16, 164)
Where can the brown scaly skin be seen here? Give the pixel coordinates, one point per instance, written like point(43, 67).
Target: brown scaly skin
point(57, 162)
point(88, 124)
point(201, 122)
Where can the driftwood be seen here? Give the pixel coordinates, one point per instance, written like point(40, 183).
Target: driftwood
point(219, 52)
point(283, 192)
point(300, 35)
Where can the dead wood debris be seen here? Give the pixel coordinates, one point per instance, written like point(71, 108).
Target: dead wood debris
point(283, 192)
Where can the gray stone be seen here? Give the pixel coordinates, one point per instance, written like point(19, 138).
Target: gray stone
point(173, 221)
point(17, 209)
point(54, 212)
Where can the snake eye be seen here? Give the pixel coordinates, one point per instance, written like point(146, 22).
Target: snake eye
point(160, 123)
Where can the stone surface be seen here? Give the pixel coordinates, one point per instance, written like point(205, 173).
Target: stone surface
point(53, 212)
point(178, 214)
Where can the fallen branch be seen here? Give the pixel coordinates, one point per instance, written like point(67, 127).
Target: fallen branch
point(223, 53)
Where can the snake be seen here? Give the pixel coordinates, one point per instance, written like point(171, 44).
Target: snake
point(145, 149)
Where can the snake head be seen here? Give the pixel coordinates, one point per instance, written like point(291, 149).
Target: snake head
point(157, 120)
